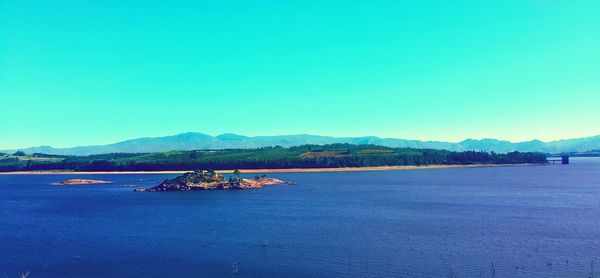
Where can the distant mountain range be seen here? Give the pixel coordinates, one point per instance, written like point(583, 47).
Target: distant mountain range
point(197, 141)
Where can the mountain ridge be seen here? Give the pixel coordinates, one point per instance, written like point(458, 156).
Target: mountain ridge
point(199, 141)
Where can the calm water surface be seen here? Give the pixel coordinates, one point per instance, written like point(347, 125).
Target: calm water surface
point(538, 221)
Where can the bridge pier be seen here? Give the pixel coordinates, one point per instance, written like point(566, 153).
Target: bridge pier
point(563, 160)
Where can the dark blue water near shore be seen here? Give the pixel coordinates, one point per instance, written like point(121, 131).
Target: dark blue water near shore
point(525, 221)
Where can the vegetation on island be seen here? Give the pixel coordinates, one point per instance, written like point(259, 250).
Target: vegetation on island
point(210, 180)
point(306, 156)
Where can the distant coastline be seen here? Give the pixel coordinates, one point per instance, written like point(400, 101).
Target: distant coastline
point(343, 156)
point(289, 170)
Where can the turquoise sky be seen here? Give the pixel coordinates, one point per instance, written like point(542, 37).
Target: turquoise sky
point(95, 72)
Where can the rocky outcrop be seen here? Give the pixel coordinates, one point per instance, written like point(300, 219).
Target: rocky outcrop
point(209, 180)
point(80, 181)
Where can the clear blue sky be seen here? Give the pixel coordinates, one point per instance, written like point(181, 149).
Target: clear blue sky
point(95, 72)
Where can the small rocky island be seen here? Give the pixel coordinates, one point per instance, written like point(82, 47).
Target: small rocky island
point(80, 181)
point(210, 180)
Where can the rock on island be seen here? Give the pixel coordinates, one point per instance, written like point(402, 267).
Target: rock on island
point(80, 181)
point(210, 180)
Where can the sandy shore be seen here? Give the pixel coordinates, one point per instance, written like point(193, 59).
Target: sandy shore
point(290, 170)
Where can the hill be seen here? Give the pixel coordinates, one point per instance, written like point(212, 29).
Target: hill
point(305, 156)
point(200, 141)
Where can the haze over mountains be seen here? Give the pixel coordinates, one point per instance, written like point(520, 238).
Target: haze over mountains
point(197, 141)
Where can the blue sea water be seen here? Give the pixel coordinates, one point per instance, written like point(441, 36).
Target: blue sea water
point(535, 221)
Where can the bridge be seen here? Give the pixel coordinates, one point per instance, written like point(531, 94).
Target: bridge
point(563, 160)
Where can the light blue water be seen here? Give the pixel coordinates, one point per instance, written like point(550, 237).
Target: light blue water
point(538, 221)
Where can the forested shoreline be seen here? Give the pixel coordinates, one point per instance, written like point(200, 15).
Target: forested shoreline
point(306, 156)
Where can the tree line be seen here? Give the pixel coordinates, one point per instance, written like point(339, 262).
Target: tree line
point(306, 156)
